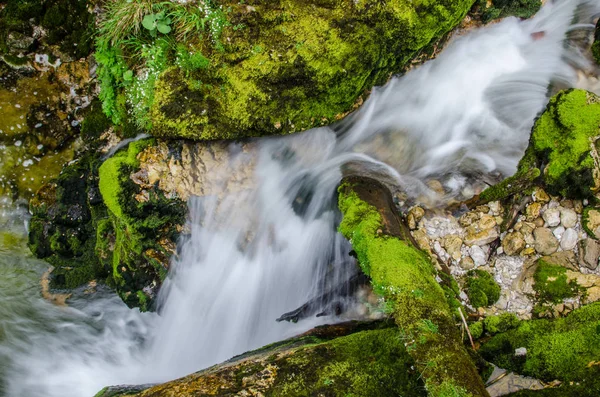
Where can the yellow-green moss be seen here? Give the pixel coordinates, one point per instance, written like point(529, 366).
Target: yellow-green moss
point(481, 288)
point(566, 348)
point(500, 323)
point(404, 276)
point(273, 67)
point(551, 284)
point(111, 174)
point(562, 138)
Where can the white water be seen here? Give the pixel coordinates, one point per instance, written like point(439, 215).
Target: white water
point(261, 252)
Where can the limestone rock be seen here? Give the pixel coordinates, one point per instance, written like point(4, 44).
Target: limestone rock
point(592, 223)
point(481, 238)
point(415, 214)
point(533, 211)
point(513, 243)
point(452, 244)
point(552, 217)
point(569, 239)
point(568, 218)
point(545, 242)
point(589, 253)
point(478, 255)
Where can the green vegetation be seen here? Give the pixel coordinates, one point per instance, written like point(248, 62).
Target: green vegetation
point(481, 288)
point(596, 45)
point(501, 323)
point(551, 283)
point(505, 8)
point(558, 156)
point(230, 59)
point(566, 348)
point(398, 271)
point(363, 364)
point(68, 24)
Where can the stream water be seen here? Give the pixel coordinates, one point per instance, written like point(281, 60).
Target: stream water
point(255, 255)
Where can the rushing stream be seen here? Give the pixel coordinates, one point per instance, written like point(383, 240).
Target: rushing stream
point(257, 254)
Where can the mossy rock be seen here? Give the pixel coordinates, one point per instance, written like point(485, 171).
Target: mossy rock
point(567, 349)
point(68, 24)
point(551, 284)
point(367, 363)
point(406, 278)
point(491, 10)
point(558, 157)
point(129, 239)
point(596, 45)
point(61, 230)
point(481, 288)
point(275, 67)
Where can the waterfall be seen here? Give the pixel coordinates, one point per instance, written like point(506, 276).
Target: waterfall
point(255, 254)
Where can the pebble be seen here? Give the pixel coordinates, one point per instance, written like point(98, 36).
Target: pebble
point(478, 255)
point(569, 239)
point(552, 217)
point(568, 218)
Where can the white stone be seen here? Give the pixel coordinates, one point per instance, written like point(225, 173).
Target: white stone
point(521, 351)
point(568, 217)
point(558, 232)
point(478, 255)
point(552, 217)
point(569, 239)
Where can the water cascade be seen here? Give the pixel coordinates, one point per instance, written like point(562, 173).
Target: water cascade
point(266, 250)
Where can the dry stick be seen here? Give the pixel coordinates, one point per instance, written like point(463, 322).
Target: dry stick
point(466, 327)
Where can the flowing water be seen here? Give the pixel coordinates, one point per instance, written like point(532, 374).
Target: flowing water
point(261, 252)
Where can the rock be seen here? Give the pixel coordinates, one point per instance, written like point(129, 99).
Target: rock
point(540, 195)
point(486, 222)
point(538, 222)
point(533, 211)
point(521, 351)
point(19, 41)
point(565, 259)
point(287, 74)
point(568, 218)
point(422, 240)
point(513, 243)
point(468, 219)
point(589, 253)
point(467, 263)
point(592, 222)
point(552, 217)
point(545, 242)
point(569, 239)
point(481, 238)
point(452, 244)
point(558, 232)
point(496, 208)
point(415, 214)
point(478, 255)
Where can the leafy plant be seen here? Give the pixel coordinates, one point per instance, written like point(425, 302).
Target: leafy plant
point(157, 22)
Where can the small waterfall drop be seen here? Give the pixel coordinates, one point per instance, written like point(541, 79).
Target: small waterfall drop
point(257, 253)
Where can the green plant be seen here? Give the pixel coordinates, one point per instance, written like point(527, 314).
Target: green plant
point(157, 22)
point(482, 289)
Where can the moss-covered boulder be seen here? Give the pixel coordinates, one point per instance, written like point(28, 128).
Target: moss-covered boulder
point(94, 222)
point(562, 155)
point(596, 45)
point(258, 67)
point(491, 10)
point(406, 278)
point(363, 363)
point(567, 349)
point(66, 24)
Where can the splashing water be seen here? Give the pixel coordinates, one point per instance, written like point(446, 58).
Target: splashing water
point(258, 253)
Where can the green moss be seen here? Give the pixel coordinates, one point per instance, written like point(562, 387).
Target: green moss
point(398, 271)
point(112, 175)
point(551, 283)
point(505, 8)
point(94, 123)
point(561, 348)
point(561, 139)
point(476, 329)
point(596, 45)
point(481, 288)
point(500, 323)
point(284, 67)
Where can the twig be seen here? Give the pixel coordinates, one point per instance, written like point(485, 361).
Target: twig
point(466, 327)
